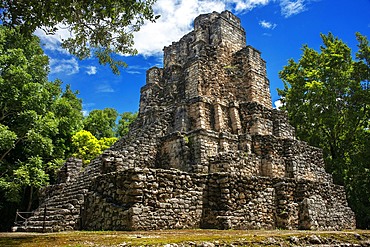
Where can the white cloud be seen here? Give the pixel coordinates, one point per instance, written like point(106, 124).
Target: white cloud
point(267, 25)
point(243, 5)
point(85, 113)
point(134, 72)
point(91, 70)
point(65, 66)
point(52, 42)
point(289, 8)
point(136, 69)
point(88, 105)
point(104, 88)
point(177, 18)
point(175, 21)
point(86, 108)
point(278, 104)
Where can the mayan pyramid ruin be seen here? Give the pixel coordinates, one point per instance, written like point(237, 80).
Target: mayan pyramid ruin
point(207, 151)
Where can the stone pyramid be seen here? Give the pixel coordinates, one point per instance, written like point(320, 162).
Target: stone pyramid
point(207, 151)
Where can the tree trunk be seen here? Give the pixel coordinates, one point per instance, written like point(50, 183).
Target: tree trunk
point(30, 200)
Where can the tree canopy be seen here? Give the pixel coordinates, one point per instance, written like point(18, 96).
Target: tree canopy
point(37, 120)
point(327, 98)
point(88, 147)
point(41, 124)
point(124, 122)
point(101, 123)
point(100, 27)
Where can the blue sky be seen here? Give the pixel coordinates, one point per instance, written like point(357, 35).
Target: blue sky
point(278, 28)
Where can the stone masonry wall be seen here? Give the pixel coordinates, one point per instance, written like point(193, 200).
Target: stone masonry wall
point(70, 170)
point(312, 205)
point(138, 199)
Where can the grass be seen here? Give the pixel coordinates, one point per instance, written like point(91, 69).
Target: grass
point(160, 238)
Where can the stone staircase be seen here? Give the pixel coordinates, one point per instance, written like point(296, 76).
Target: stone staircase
point(63, 203)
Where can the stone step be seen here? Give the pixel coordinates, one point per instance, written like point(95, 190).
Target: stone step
point(68, 222)
point(52, 211)
point(54, 217)
point(51, 223)
point(67, 203)
point(63, 204)
point(70, 194)
point(76, 186)
point(57, 207)
point(73, 185)
point(79, 195)
point(51, 217)
point(69, 190)
point(68, 197)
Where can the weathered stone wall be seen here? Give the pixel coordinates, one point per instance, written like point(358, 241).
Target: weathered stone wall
point(257, 119)
point(210, 30)
point(241, 163)
point(175, 153)
point(213, 61)
point(239, 204)
point(305, 162)
point(70, 170)
point(290, 158)
point(248, 74)
point(139, 199)
point(312, 205)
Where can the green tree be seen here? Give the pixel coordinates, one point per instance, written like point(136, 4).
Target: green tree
point(8, 138)
point(88, 147)
point(124, 122)
point(30, 173)
point(68, 110)
point(327, 97)
point(100, 27)
point(37, 121)
point(101, 123)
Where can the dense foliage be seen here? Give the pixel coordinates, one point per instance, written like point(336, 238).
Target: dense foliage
point(88, 147)
point(124, 123)
point(327, 98)
point(100, 132)
point(101, 123)
point(37, 120)
point(101, 27)
point(41, 124)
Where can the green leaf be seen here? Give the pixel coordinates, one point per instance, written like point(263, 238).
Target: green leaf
point(326, 95)
point(100, 27)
